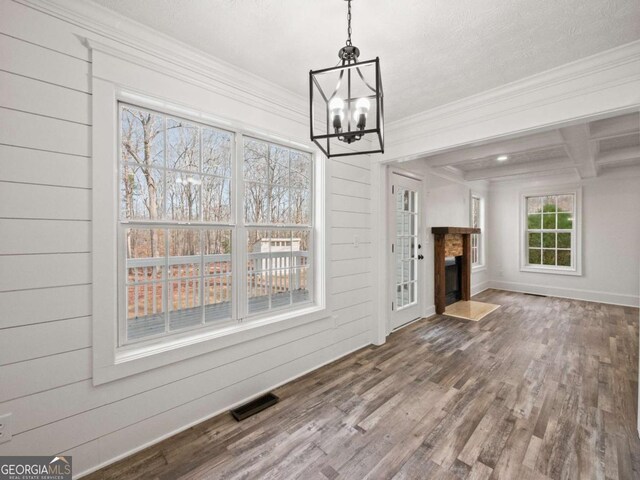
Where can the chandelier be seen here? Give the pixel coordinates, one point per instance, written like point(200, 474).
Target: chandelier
point(346, 111)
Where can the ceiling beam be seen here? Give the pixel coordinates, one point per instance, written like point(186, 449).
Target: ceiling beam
point(581, 149)
point(618, 156)
point(614, 127)
point(537, 141)
point(519, 169)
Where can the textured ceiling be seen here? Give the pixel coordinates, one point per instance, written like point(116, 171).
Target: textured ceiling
point(432, 51)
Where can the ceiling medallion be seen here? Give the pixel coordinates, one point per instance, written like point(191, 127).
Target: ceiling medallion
point(346, 110)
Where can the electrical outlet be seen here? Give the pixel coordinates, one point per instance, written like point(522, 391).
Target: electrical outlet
point(5, 427)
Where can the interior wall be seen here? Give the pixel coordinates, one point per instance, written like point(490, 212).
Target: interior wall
point(45, 269)
point(610, 240)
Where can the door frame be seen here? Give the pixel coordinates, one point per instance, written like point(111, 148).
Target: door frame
point(387, 240)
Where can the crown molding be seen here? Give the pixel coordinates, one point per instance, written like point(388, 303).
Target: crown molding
point(560, 178)
point(607, 82)
point(113, 33)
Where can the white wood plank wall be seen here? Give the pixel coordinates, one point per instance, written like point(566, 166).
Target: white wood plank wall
point(45, 273)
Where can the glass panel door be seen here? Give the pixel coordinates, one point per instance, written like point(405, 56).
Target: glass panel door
point(406, 242)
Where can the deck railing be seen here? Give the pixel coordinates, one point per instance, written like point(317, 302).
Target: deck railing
point(268, 273)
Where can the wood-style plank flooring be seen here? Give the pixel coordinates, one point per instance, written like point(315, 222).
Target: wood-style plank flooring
point(542, 388)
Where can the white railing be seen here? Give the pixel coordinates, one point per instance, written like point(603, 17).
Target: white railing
point(277, 272)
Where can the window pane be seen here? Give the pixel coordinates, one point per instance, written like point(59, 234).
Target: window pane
point(256, 203)
point(300, 207)
point(549, 240)
point(548, 257)
point(280, 263)
point(534, 221)
point(184, 253)
point(534, 205)
point(565, 203)
point(185, 307)
point(142, 137)
point(183, 152)
point(145, 310)
point(549, 220)
point(218, 275)
point(184, 282)
point(258, 273)
point(216, 199)
point(183, 196)
point(145, 292)
point(564, 240)
point(535, 239)
point(300, 170)
point(565, 221)
point(549, 204)
point(216, 152)
point(145, 254)
point(279, 203)
point(475, 212)
point(564, 258)
point(141, 193)
point(535, 257)
point(300, 285)
point(255, 160)
point(300, 274)
point(278, 166)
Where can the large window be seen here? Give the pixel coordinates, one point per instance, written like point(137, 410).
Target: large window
point(550, 240)
point(477, 216)
point(182, 238)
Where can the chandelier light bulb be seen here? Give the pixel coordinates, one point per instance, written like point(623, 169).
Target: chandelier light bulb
point(360, 114)
point(336, 111)
point(363, 104)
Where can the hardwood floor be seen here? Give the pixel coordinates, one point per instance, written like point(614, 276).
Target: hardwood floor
point(541, 388)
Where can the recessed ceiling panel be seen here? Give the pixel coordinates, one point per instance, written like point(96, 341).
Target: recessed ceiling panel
point(626, 141)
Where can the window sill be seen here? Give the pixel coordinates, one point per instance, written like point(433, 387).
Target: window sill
point(131, 360)
point(478, 268)
point(551, 270)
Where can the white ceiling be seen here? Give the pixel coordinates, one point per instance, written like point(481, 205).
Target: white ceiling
point(432, 51)
point(585, 149)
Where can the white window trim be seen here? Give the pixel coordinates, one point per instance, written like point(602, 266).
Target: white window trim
point(111, 362)
point(576, 248)
point(482, 264)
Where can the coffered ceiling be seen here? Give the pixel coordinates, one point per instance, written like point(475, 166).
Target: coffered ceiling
point(585, 149)
point(432, 51)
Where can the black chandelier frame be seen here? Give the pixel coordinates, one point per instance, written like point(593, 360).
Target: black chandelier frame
point(349, 64)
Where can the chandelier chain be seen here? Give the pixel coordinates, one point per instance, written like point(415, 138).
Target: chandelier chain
point(349, 23)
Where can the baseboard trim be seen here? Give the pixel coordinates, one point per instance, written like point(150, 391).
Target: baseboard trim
point(571, 293)
point(481, 287)
point(216, 413)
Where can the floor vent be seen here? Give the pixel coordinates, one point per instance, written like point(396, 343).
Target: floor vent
point(254, 406)
point(535, 295)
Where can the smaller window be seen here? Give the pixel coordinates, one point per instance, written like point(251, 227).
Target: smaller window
point(550, 234)
point(477, 215)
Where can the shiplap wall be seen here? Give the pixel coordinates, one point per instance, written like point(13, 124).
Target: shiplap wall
point(45, 273)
